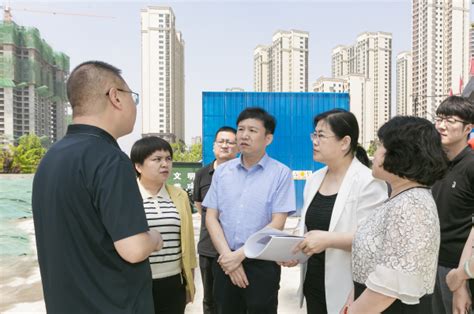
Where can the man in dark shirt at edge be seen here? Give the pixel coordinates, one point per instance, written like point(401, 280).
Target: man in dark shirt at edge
point(454, 196)
point(91, 233)
point(225, 148)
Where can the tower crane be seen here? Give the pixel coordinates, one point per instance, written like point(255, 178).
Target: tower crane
point(8, 17)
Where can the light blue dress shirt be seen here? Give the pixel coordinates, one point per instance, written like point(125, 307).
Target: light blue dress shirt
point(247, 198)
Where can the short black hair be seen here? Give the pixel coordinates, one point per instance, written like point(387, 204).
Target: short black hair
point(258, 113)
point(225, 129)
point(144, 147)
point(413, 149)
point(86, 81)
point(344, 123)
point(457, 106)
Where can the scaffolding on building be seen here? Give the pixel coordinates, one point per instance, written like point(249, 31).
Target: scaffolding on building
point(32, 65)
point(32, 85)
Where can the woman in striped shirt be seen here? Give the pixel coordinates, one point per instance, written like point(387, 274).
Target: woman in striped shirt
point(167, 210)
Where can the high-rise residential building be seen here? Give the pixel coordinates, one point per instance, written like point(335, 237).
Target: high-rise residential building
point(261, 69)
point(471, 51)
point(32, 85)
point(340, 61)
point(329, 85)
point(162, 74)
point(282, 66)
point(440, 43)
point(360, 91)
point(369, 58)
point(471, 41)
point(404, 84)
point(196, 140)
point(234, 89)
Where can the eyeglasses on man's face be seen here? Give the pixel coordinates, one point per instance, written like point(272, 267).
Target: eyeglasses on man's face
point(317, 137)
point(135, 96)
point(228, 142)
point(449, 120)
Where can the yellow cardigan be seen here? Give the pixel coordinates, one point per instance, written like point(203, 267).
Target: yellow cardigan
point(188, 249)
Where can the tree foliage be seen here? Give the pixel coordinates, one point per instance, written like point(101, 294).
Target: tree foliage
point(372, 148)
point(6, 161)
point(45, 141)
point(184, 154)
point(24, 157)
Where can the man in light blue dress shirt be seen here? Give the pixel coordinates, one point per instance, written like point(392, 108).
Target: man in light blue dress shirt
point(246, 195)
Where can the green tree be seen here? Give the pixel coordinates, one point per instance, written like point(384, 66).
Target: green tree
point(6, 160)
point(28, 153)
point(45, 141)
point(372, 148)
point(182, 153)
point(195, 153)
point(179, 150)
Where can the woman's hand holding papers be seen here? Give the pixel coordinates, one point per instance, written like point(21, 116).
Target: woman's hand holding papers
point(290, 263)
point(316, 241)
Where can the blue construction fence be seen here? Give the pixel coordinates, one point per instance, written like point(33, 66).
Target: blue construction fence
point(294, 113)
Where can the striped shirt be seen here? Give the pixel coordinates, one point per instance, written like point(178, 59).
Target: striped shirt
point(162, 215)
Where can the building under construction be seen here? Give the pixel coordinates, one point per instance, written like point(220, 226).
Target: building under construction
point(32, 85)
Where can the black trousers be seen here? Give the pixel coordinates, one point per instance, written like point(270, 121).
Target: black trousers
point(314, 293)
point(169, 295)
point(205, 264)
point(260, 296)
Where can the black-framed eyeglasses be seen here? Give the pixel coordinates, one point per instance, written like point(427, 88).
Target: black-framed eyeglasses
point(449, 120)
point(135, 96)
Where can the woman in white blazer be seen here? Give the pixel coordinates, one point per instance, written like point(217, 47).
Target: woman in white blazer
point(337, 199)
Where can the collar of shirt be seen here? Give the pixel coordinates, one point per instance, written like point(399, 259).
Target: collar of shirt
point(262, 162)
point(91, 130)
point(162, 193)
point(460, 156)
point(210, 168)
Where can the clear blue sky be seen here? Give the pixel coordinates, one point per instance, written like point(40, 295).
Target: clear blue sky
point(220, 37)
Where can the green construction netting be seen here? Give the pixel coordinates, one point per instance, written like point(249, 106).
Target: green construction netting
point(45, 68)
point(4, 82)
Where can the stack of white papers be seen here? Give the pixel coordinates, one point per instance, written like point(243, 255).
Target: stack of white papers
point(274, 245)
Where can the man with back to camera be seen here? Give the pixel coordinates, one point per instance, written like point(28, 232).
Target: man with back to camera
point(247, 194)
point(225, 149)
point(91, 233)
point(454, 196)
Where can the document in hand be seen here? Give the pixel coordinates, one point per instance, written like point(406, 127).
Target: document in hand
point(273, 245)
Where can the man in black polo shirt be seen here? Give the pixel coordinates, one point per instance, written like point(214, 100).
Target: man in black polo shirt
point(225, 148)
point(454, 196)
point(91, 233)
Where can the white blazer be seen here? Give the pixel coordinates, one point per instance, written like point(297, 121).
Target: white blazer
point(360, 193)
